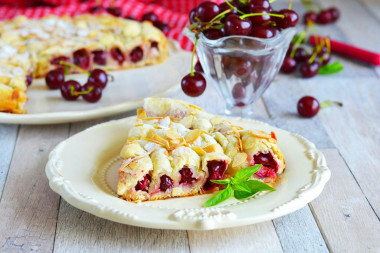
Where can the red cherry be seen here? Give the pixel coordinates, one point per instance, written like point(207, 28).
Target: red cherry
point(301, 55)
point(238, 91)
point(99, 57)
point(165, 183)
point(28, 80)
point(95, 9)
point(325, 59)
point(290, 19)
point(241, 67)
point(192, 15)
point(117, 55)
point(186, 176)
point(149, 16)
point(309, 69)
point(234, 25)
point(334, 13)
point(193, 86)
point(81, 58)
point(198, 67)
point(114, 11)
point(98, 77)
point(162, 26)
point(67, 92)
point(136, 55)
point(55, 78)
point(260, 3)
point(289, 65)
point(263, 32)
point(94, 95)
point(143, 185)
point(308, 107)
point(325, 17)
point(310, 16)
point(261, 19)
point(216, 171)
point(213, 34)
point(207, 11)
point(55, 61)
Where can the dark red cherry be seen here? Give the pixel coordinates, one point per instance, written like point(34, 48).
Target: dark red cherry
point(162, 26)
point(325, 59)
point(198, 67)
point(321, 50)
point(28, 80)
point(136, 55)
point(262, 19)
point(143, 184)
point(334, 14)
point(216, 171)
point(69, 88)
point(98, 77)
point(261, 4)
point(114, 11)
point(310, 16)
point(308, 107)
point(192, 15)
point(186, 176)
point(207, 11)
point(81, 58)
point(289, 65)
point(55, 78)
point(290, 19)
point(55, 61)
point(238, 91)
point(241, 67)
point(117, 55)
point(263, 32)
point(193, 86)
point(149, 16)
point(99, 57)
point(301, 55)
point(154, 44)
point(325, 17)
point(234, 25)
point(240, 5)
point(213, 34)
point(95, 9)
point(309, 69)
point(264, 159)
point(290, 49)
point(165, 183)
point(94, 95)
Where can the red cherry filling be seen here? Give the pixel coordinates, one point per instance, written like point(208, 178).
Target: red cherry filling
point(117, 55)
point(56, 60)
point(29, 80)
point(186, 176)
point(269, 168)
point(100, 57)
point(154, 44)
point(165, 183)
point(81, 58)
point(216, 171)
point(136, 54)
point(143, 184)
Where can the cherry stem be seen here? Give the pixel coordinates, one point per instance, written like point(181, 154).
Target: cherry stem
point(313, 56)
point(81, 92)
point(220, 15)
point(74, 66)
point(309, 3)
point(327, 103)
point(192, 57)
point(261, 14)
point(290, 5)
point(297, 43)
point(271, 1)
point(328, 45)
point(233, 7)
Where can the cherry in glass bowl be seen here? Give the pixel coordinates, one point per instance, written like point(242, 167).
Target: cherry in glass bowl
point(241, 67)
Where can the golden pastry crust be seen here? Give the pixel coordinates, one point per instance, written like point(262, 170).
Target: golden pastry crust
point(182, 148)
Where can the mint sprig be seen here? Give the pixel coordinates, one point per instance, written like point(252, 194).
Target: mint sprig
point(239, 186)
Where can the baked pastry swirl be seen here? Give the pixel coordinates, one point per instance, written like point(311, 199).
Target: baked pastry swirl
point(175, 149)
point(36, 46)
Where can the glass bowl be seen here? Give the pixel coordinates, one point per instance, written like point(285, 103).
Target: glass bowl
point(241, 68)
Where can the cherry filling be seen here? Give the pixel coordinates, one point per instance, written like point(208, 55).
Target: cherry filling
point(269, 168)
point(117, 55)
point(216, 171)
point(81, 58)
point(186, 176)
point(56, 60)
point(154, 44)
point(165, 183)
point(29, 80)
point(100, 57)
point(143, 184)
point(136, 54)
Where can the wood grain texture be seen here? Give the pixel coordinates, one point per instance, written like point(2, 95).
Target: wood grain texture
point(8, 137)
point(253, 238)
point(28, 208)
point(344, 215)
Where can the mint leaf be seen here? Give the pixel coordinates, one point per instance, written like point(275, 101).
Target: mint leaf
point(240, 187)
point(255, 186)
point(246, 173)
point(220, 197)
point(224, 181)
point(331, 68)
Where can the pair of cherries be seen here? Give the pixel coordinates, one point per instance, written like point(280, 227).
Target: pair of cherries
point(91, 91)
point(325, 16)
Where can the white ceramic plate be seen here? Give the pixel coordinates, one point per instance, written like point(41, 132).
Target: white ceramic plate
point(127, 92)
point(84, 173)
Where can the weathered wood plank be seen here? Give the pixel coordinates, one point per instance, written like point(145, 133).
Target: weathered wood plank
point(28, 208)
point(342, 212)
point(8, 136)
point(354, 128)
point(253, 238)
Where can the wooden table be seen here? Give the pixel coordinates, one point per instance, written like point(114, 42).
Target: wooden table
point(344, 218)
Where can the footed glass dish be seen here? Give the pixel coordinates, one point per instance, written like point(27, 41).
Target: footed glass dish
point(241, 67)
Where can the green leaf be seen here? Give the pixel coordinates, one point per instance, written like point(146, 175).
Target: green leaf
point(220, 197)
point(237, 186)
point(224, 181)
point(331, 68)
point(255, 186)
point(246, 173)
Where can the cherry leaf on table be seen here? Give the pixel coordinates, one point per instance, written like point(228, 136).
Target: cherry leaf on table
point(220, 197)
point(331, 68)
point(246, 173)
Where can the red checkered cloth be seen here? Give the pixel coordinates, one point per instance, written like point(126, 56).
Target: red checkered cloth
point(172, 12)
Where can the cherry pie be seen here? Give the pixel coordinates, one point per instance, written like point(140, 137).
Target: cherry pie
point(32, 47)
point(175, 149)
